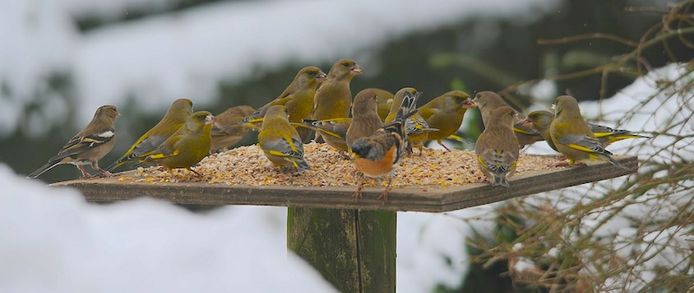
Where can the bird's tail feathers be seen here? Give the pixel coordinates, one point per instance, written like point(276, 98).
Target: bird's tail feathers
point(408, 106)
point(44, 168)
point(500, 180)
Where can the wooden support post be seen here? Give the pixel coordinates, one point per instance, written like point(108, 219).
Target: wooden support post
point(353, 249)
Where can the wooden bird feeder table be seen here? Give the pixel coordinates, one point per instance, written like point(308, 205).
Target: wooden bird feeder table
point(351, 242)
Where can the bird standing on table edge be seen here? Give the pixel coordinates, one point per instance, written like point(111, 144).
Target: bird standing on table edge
point(378, 155)
point(497, 148)
point(88, 146)
point(573, 137)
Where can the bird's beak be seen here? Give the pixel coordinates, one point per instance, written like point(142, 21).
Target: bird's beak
point(554, 107)
point(321, 77)
point(209, 119)
point(356, 69)
point(469, 103)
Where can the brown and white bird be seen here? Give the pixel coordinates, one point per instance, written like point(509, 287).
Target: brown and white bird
point(88, 146)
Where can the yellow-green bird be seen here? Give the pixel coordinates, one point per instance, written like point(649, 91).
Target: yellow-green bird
point(417, 128)
point(540, 121)
point(188, 146)
point(334, 97)
point(88, 146)
point(573, 137)
point(298, 97)
point(445, 114)
point(537, 122)
point(228, 128)
point(280, 142)
point(497, 148)
point(177, 115)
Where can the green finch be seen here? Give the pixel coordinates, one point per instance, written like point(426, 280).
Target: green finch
point(334, 97)
point(175, 117)
point(298, 97)
point(445, 114)
point(188, 146)
point(573, 137)
point(280, 141)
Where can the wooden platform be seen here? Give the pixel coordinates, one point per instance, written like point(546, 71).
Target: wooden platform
point(422, 199)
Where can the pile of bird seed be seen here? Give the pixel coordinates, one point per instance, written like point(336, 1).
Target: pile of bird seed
point(248, 166)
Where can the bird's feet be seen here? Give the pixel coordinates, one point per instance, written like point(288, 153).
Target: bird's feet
point(384, 195)
point(194, 172)
point(443, 145)
point(359, 193)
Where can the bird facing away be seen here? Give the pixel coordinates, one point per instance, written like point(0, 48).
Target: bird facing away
point(334, 97)
point(384, 100)
point(488, 101)
point(280, 142)
point(298, 97)
point(416, 127)
point(445, 114)
point(177, 115)
point(365, 118)
point(88, 146)
point(573, 137)
point(227, 129)
point(497, 149)
point(378, 155)
point(188, 146)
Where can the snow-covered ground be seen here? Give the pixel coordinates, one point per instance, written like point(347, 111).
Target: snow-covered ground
point(159, 58)
point(53, 241)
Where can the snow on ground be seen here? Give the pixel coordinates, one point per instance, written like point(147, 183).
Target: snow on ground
point(159, 58)
point(53, 241)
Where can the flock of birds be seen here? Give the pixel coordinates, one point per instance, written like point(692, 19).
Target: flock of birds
point(375, 129)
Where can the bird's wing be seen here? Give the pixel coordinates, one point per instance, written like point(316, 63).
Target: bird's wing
point(148, 145)
point(585, 144)
point(283, 147)
point(82, 143)
point(525, 128)
point(166, 149)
